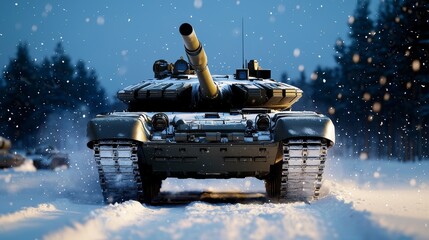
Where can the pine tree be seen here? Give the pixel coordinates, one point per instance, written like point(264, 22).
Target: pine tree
point(62, 75)
point(20, 91)
point(388, 90)
point(343, 97)
point(359, 74)
point(92, 95)
point(415, 19)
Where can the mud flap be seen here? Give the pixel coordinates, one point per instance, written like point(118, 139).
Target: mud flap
point(304, 126)
point(117, 127)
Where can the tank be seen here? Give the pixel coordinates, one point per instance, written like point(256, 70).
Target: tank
point(8, 159)
point(189, 123)
point(48, 157)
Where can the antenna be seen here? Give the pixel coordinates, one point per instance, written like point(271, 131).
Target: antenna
point(243, 73)
point(242, 41)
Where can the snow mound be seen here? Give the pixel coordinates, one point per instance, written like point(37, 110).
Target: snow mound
point(27, 166)
point(107, 222)
point(13, 220)
point(245, 221)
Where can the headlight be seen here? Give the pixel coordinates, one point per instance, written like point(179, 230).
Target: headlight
point(263, 122)
point(160, 121)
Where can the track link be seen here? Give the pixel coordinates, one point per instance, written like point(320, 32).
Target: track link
point(302, 169)
point(117, 164)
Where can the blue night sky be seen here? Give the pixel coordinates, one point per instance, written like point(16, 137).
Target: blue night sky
point(121, 40)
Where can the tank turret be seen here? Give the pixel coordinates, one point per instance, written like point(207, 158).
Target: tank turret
point(5, 144)
point(198, 60)
point(189, 86)
point(8, 159)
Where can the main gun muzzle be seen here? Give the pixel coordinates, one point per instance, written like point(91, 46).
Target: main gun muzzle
point(198, 60)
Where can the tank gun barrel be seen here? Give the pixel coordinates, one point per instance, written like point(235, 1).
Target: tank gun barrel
point(198, 59)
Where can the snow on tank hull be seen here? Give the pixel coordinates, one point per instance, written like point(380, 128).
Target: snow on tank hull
point(188, 123)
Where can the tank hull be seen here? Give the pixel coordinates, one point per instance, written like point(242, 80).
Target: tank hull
point(205, 145)
point(215, 160)
point(8, 160)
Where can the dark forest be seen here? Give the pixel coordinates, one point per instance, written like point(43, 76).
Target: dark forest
point(377, 94)
point(33, 92)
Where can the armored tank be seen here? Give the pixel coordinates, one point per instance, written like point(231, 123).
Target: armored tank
point(189, 123)
point(48, 157)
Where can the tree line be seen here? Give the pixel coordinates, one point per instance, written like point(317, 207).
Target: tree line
point(377, 94)
point(32, 92)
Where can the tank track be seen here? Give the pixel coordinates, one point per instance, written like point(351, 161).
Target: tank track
point(120, 178)
point(302, 169)
point(117, 164)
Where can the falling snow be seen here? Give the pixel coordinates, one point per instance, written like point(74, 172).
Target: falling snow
point(366, 70)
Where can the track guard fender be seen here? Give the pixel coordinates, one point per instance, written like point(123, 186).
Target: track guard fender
point(117, 127)
point(307, 126)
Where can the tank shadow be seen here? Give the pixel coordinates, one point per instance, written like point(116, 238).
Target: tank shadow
point(184, 198)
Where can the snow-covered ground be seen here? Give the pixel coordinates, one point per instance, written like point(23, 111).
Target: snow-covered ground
point(361, 200)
